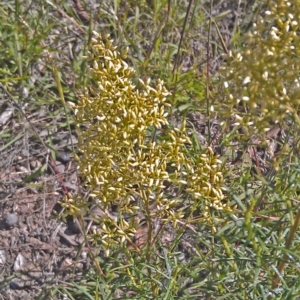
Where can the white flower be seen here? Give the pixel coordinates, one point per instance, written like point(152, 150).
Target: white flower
point(284, 91)
point(265, 75)
point(247, 80)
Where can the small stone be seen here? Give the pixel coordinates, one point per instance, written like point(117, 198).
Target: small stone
point(63, 157)
point(84, 255)
point(11, 219)
point(14, 285)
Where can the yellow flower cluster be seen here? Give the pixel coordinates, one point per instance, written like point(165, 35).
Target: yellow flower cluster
point(262, 79)
point(129, 152)
point(205, 182)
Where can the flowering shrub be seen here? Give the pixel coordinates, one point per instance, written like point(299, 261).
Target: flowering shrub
point(129, 153)
point(262, 79)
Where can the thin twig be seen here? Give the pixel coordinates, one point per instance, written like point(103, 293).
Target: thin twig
point(181, 35)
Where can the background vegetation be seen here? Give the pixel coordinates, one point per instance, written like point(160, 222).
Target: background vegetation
point(232, 73)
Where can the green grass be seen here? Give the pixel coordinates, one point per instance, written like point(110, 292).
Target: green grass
point(252, 253)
